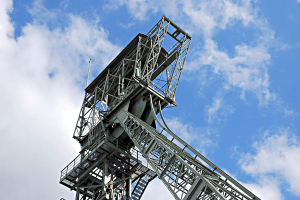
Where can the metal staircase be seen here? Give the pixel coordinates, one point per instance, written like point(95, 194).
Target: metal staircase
point(139, 187)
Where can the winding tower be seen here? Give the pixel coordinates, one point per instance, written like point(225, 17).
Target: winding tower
point(124, 145)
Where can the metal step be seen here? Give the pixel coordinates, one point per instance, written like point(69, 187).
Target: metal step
point(140, 187)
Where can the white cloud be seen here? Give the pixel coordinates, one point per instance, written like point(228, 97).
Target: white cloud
point(128, 25)
point(203, 14)
point(191, 14)
point(212, 110)
point(138, 8)
point(288, 112)
point(186, 131)
point(217, 14)
point(277, 155)
point(218, 110)
point(247, 69)
point(199, 138)
point(42, 78)
point(267, 188)
point(157, 190)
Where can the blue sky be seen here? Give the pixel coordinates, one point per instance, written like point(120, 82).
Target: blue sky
point(238, 98)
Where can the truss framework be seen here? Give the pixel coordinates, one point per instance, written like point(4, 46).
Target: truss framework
point(123, 152)
point(185, 176)
point(108, 161)
point(145, 61)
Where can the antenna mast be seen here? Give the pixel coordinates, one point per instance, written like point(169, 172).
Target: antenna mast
point(87, 80)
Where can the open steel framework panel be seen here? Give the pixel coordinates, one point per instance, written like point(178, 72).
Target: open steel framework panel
point(122, 150)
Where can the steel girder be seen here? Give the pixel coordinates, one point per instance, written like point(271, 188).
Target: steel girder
point(142, 69)
point(145, 61)
point(184, 176)
point(87, 173)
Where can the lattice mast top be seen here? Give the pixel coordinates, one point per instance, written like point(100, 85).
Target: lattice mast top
point(142, 61)
point(120, 107)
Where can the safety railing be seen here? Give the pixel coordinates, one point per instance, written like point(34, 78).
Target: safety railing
point(134, 152)
point(81, 158)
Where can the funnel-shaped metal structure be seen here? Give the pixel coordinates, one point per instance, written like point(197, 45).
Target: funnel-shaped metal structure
point(122, 150)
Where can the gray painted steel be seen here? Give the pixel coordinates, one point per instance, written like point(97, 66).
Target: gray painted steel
point(121, 149)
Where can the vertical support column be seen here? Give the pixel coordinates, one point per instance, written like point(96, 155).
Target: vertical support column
point(122, 192)
point(84, 194)
point(94, 109)
point(137, 68)
point(119, 85)
point(77, 194)
point(106, 91)
point(128, 187)
point(81, 118)
point(112, 179)
point(105, 176)
point(103, 96)
point(123, 75)
point(111, 193)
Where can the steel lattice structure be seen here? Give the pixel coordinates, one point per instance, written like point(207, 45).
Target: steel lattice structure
point(122, 150)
